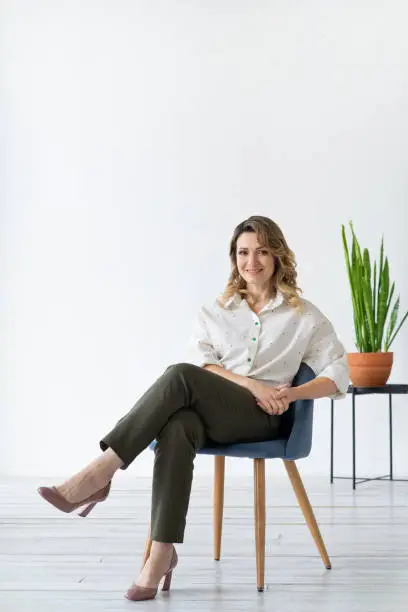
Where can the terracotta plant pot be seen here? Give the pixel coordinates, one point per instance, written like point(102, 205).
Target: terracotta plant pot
point(369, 369)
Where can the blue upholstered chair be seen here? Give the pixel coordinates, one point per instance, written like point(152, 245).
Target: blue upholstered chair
point(295, 443)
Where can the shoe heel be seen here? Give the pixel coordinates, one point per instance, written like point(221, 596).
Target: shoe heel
point(167, 581)
point(87, 509)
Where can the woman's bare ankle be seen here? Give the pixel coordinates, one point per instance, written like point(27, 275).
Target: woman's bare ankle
point(92, 478)
point(160, 548)
point(156, 565)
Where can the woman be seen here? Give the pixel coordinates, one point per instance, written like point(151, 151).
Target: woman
point(249, 346)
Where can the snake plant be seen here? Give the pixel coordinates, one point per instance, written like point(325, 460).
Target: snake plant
point(375, 320)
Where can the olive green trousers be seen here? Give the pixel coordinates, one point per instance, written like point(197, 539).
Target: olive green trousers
point(187, 408)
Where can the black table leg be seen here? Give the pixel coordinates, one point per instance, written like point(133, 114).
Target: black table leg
point(354, 437)
point(390, 414)
point(331, 441)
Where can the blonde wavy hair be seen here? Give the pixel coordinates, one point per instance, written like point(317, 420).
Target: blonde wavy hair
point(269, 235)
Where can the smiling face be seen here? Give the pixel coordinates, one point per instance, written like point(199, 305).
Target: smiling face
point(255, 262)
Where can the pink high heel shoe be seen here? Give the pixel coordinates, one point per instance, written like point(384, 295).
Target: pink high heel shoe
point(139, 593)
point(51, 495)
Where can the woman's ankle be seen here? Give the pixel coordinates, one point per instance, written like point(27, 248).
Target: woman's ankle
point(113, 461)
point(160, 548)
point(92, 478)
point(156, 565)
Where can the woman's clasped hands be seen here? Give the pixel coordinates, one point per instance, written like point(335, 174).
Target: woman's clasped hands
point(273, 400)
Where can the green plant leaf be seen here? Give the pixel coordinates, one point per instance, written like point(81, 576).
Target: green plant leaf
point(398, 328)
point(358, 277)
point(375, 300)
point(392, 323)
point(367, 265)
point(383, 304)
point(353, 289)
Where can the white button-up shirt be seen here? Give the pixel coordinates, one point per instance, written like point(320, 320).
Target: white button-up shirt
point(269, 346)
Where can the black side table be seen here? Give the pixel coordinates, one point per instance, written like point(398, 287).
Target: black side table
point(389, 390)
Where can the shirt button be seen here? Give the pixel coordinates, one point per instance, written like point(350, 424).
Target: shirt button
point(256, 323)
point(249, 359)
point(253, 339)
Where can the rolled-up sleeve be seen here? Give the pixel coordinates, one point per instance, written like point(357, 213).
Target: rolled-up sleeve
point(326, 356)
point(201, 350)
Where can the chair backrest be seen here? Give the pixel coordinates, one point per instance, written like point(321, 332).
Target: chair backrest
point(298, 420)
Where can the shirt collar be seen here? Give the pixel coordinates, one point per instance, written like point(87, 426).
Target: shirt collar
point(236, 300)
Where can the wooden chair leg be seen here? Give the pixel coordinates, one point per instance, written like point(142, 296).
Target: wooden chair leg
point(148, 546)
point(218, 507)
point(307, 510)
point(260, 521)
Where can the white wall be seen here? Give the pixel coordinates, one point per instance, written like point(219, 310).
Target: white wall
point(136, 135)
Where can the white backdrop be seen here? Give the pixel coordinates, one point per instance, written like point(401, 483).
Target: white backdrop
point(135, 136)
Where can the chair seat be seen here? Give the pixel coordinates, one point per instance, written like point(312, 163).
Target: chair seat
point(270, 449)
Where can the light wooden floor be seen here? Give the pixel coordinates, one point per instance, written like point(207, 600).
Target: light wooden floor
point(54, 562)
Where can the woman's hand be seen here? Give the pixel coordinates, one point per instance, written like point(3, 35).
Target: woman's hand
point(273, 400)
